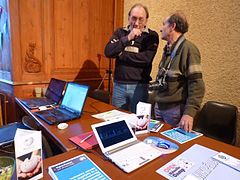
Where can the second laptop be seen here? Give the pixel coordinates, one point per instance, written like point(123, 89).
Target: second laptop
point(71, 106)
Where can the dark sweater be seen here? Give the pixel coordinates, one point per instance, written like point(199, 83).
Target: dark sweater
point(133, 58)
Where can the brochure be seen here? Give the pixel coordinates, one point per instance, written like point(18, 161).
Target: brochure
point(28, 152)
point(180, 166)
point(181, 136)
point(139, 124)
point(110, 115)
point(144, 109)
point(228, 160)
point(155, 126)
point(79, 167)
point(198, 162)
point(142, 125)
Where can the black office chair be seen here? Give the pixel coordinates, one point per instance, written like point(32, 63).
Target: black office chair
point(101, 95)
point(218, 121)
point(31, 124)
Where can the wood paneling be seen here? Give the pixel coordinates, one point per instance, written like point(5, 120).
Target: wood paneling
point(64, 39)
point(80, 34)
point(31, 37)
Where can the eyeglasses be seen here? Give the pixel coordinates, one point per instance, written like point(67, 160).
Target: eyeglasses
point(140, 20)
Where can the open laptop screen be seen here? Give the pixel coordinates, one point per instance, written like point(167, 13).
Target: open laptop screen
point(114, 133)
point(74, 97)
point(55, 89)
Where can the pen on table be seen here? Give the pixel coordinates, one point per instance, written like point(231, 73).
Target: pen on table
point(86, 138)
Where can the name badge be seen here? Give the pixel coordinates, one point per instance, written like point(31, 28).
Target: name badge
point(131, 49)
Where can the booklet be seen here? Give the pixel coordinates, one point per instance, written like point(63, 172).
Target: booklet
point(143, 109)
point(79, 167)
point(28, 154)
point(199, 162)
point(110, 115)
point(139, 124)
point(155, 125)
point(181, 136)
point(142, 125)
point(228, 160)
point(85, 140)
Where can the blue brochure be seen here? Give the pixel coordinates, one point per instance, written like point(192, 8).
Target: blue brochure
point(79, 167)
point(181, 136)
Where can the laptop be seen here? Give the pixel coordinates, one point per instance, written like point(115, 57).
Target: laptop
point(7, 133)
point(119, 144)
point(52, 97)
point(71, 106)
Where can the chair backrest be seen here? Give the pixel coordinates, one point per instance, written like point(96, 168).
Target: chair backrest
point(218, 120)
point(101, 95)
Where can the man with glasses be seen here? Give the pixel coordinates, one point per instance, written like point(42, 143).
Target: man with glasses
point(134, 48)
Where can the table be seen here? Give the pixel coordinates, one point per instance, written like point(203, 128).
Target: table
point(148, 170)
point(76, 127)
point(83, 124)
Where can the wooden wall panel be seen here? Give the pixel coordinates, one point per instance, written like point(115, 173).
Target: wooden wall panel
point(31, 39)
point(80, 34)
point(81, 22)
point(48, 32)
point(64, 39)
point(63, 34)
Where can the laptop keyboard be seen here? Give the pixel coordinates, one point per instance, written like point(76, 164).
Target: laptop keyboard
point(58, 112)
point(59, 115)
point(34, 103)
point(53, 116)
point(135, 156)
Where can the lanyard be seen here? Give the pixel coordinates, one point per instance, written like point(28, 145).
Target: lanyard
point(173, 54)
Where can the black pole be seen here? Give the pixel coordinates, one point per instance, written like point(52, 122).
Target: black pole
point(109, 71)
